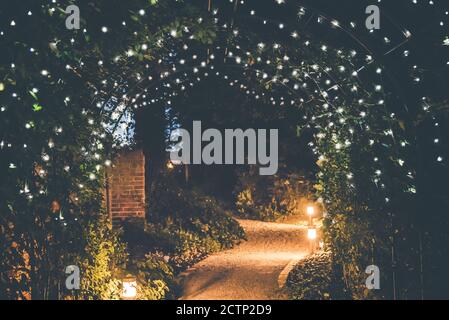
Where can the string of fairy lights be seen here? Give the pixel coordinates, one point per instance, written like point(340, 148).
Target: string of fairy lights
point(324, 48)
point(325, 83)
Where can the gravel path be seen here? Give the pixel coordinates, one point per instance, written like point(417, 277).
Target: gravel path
point(251, 270)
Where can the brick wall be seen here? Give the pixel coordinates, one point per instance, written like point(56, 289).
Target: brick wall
point(126, 186)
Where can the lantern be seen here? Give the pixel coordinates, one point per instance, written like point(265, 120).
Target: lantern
point(129, 287)
point(311, 233)
point(310, 210)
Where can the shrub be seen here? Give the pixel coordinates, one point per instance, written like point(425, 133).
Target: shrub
point(105, 260)
point(183, 247)
point(105, 255)
point(155, 277)
point(269, 198)
point(189, 225)
point(315, 279)
point(191, 248)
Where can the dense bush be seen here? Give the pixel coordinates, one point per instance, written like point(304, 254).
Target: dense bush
point(188, 225)
point(268, 198)
point(107, 259)
point(314, 279)
point(154, 275)
point(55, 140)
point(100, 264)
point(191, 247)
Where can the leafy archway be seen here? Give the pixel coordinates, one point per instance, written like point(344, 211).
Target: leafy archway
point(339, 76)
point(345, 95)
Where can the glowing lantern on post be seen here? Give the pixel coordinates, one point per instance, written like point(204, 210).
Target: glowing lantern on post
point(129, 289)
point(311, 234)
point(310, 210)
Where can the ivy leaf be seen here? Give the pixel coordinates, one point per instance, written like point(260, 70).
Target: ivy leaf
point(298, 131)
point(37, 107)
point(33, 95)
point(11, 81)
point(446, 41)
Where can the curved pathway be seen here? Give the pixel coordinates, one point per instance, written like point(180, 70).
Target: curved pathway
point(253, 270)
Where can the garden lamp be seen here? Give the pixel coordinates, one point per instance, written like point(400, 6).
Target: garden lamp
point(129, 289)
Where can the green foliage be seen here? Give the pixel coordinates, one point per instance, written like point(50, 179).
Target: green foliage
point(189, 224)
point(358, 227)
point(104, 256)
point(186, 247)
point(268, 198)
point(54, 141)
point(37, 107)
point(105, 261)
point(314, 279)
point(152, 290)
point(154, 275)
point(191, 248)
point(58, 138)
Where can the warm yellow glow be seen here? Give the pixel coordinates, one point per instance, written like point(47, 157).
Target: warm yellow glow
point(129, 288)
point(311, 233)
point(170, 165)
point(310, 210)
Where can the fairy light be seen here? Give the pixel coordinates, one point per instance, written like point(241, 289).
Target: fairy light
point(305, 80)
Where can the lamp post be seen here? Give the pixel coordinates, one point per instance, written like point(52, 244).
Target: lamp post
point(129, 288)
point(310, 212)
point(312, 235)
point(311, 231)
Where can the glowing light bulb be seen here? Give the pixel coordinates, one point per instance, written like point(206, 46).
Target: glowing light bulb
point(310, 210)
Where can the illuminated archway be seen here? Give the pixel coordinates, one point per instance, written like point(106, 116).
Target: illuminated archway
point(344, 94)
point(345, 85)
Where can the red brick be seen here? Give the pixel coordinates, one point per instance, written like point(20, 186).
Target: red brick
point(126, 182)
